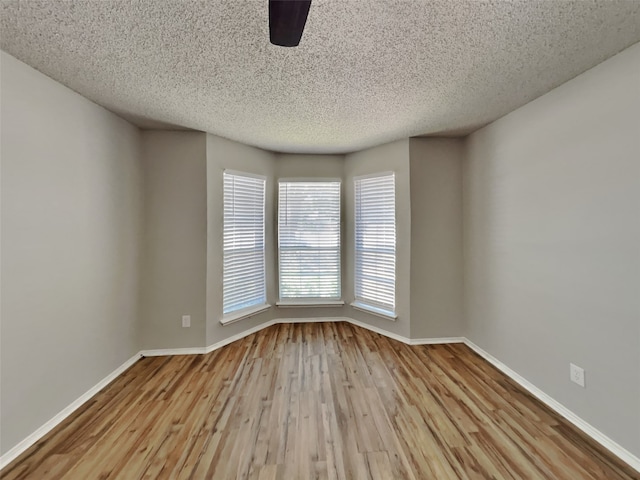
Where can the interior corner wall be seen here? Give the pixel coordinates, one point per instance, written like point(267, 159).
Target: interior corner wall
point(385, 158)
point(225, 154)
point(552, 243)
point(71, 214)
point(175, 239)
point(436, 237)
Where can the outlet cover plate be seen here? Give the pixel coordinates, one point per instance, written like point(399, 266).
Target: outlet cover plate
point(577, 374)
point(186, 321)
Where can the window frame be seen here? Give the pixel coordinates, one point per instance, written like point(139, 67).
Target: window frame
point(262, 303)
point(367, 305)
point(290, 302)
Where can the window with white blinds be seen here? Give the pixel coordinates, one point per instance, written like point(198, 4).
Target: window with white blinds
point(375, 242)
point(309, 239)
point(244, 283)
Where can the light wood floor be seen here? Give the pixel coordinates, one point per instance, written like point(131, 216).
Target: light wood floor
point(326, 400)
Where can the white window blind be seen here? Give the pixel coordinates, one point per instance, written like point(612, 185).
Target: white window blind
point(375, 241)
point(309, 239)
point(244, 270)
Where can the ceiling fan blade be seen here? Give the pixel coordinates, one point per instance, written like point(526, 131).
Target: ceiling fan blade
point(287, 19)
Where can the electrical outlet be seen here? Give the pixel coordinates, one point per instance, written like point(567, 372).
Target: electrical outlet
point(186, 321)
point(576, 374)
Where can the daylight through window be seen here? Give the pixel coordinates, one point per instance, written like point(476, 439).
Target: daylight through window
point(309, 239)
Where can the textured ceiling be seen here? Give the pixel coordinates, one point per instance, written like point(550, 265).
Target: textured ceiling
point(366, 71)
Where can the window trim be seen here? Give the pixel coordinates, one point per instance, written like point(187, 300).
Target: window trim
point(257, 176)
point(250, 310)
point(292, 302)
point(244, 313)
point(359, 303)
point(309, 302)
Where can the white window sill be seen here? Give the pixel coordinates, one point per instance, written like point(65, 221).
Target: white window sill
point(379, 312)
point(244, 313)
point(309, 303)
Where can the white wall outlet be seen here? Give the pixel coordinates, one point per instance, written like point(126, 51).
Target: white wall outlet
point(576, 374)
point(186, 321)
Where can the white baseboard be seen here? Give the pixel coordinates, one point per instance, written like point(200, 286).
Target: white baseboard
point(563, 411)
point(436, 341)
point(311, 320)
point(269, 323)
point(162, 352)
point(381, 331)
point(408, 341)
point(239, 336)
point(386, 333)
point(72, 407)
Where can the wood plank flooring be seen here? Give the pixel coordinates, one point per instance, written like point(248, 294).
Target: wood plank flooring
point(321, 400)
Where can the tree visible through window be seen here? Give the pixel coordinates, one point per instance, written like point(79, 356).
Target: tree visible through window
point(309, 239)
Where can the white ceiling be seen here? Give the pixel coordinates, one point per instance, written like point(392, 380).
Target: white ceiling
point(366, 71)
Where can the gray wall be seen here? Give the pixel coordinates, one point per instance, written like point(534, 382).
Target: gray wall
point(436, 237)
point(309, 166)
point(174, 267)
point(552, 243)
point(385, 158)
point(71, 215)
